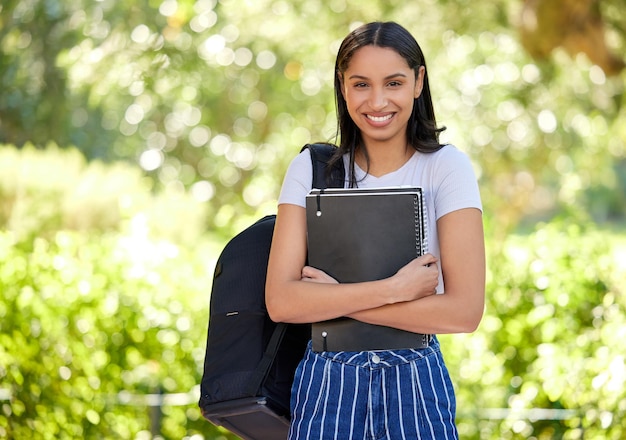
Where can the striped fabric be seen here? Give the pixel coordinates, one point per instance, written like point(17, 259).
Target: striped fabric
point(373, 395)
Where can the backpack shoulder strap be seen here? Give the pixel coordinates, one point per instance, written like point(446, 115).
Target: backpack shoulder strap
point(320, 155)
point(256, 380)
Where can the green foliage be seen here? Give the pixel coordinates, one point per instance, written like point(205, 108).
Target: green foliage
point(85, 323)
point(218, 96)
point(104, 291)
point(90, 327)
point(42, 191)
point(553, 337)
point(96, 320)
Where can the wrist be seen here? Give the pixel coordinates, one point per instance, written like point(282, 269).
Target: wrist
point(391, 290)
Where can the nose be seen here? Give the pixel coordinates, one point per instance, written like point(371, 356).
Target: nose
point(378, 99)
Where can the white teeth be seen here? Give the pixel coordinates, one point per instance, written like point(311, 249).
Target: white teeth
point(380, 118)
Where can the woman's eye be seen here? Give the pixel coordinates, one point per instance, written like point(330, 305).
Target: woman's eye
point(395, 83)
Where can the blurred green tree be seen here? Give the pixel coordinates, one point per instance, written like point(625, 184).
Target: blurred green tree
point(215, 97)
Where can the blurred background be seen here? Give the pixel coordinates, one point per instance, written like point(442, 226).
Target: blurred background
point(137, 137)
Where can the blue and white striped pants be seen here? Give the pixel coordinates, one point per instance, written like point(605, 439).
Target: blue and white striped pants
point(373, 395)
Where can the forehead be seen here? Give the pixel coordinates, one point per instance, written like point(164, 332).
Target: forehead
point(376, 59)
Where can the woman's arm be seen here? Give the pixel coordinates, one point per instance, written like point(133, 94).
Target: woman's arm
point(290, 297)
point(460, 308)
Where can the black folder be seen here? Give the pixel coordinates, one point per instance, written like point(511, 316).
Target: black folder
point(364, 234)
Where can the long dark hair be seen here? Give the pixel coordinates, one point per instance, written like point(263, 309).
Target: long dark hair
point(422, 131)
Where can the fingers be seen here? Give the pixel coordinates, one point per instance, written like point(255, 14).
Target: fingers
point(427, 259)
point(315, 275)
point(310, 272)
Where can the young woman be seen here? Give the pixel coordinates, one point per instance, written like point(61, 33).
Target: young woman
point(388, 137)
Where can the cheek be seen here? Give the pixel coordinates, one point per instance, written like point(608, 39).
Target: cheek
point(353, 103)
point(349, 102)
point(353, 100)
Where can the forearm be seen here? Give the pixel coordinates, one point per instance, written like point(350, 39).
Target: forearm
point(435, 314)
point(299, 301)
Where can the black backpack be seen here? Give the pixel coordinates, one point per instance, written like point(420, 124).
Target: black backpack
point(250, 360)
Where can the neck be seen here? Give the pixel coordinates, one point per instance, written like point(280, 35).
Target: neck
point(383, 159)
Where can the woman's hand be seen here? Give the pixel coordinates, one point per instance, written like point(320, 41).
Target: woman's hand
point(314, 275)
point(417, 279)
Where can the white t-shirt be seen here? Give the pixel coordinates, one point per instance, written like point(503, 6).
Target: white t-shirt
point(446, 176)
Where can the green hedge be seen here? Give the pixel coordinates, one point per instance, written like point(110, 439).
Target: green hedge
point(89, 325)
point(104, 296)
point(553, 337)
point(96, 315)
point(88, 322)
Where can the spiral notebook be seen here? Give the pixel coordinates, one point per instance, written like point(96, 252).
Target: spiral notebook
point(357, 235)
point(365, 234)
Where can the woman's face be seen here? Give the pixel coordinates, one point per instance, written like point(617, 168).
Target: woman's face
point(379, 88)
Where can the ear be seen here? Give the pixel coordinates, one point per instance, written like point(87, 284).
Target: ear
point(419, 81)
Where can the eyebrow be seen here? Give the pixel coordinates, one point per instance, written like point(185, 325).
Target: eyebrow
point(393, 75)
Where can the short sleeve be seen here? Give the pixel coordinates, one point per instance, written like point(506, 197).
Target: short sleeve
point(297, 181)
point(457, 187)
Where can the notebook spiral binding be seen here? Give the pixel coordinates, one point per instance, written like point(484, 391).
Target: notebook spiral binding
point(421, 220)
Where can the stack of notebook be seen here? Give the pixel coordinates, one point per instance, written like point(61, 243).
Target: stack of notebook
point(364, 234)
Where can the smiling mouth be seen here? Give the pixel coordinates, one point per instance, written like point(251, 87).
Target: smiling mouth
point(379, 118)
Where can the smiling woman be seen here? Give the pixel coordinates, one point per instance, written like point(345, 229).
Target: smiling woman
point(389, 137)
